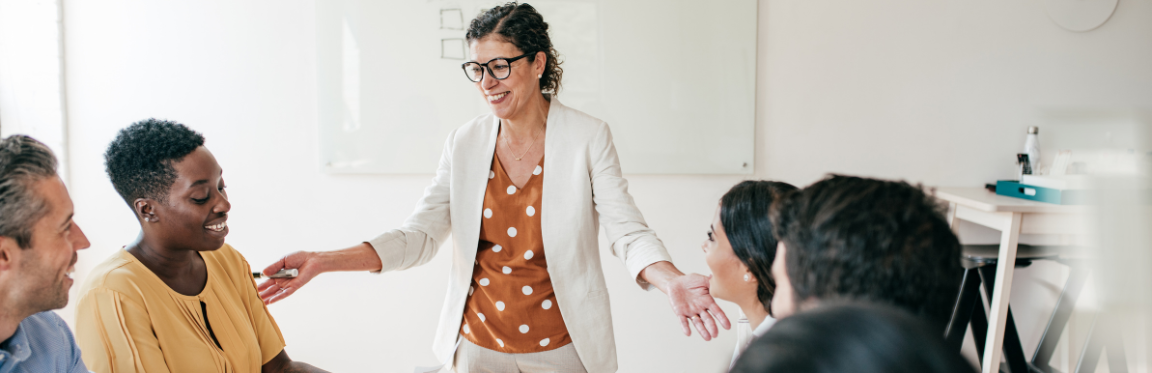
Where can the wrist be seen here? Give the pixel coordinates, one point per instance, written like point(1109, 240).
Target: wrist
point(661, 274)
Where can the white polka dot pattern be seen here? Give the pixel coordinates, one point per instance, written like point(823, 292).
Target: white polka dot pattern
point(510, 228)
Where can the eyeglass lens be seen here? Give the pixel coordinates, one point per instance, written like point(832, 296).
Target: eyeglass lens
point(499, 69)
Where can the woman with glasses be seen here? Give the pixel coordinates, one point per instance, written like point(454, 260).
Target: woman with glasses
point(521, 191)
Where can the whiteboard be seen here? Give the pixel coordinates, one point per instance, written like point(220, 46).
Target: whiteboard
point(674, 79)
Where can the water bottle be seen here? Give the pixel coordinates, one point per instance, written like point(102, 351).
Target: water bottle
point(1032, 148)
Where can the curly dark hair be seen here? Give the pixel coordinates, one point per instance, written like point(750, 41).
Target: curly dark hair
point(139, 161)
point(744, 215)
point(23, 162)
point(875, 240)
point(524, 27)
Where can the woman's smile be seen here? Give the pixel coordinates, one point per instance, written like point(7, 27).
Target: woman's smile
point(498, 98)
point(218, 229)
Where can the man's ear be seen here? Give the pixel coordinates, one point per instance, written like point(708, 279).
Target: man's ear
point(145, 210)
point(10, 253)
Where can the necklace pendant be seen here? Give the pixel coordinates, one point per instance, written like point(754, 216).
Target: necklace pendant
point(517, 159)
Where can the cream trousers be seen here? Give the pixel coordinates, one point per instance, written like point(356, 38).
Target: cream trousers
point(471, 358)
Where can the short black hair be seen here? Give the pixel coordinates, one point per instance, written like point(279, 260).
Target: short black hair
point(23, 162)
point(139, 161)
point(744, 215)
point(876, 240)
point(851, 337)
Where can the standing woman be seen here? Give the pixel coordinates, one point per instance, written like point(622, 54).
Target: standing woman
point(521, 190)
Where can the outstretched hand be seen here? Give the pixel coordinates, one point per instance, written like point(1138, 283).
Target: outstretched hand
point(275, 289)
point(693, 304)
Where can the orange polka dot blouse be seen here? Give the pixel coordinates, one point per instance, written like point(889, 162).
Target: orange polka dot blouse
point(511, 306)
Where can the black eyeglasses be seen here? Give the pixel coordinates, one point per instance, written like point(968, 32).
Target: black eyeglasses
point(498, 68)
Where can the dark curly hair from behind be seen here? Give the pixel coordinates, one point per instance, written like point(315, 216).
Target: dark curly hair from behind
point(524, 27)
point(744, 215)
point(139, 161)
point(874, 240)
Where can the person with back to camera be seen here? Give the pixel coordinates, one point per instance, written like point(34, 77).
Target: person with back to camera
point(855, 337)
point(880, 241)
point(739, 251)
point(521, 191)
point(38, 245)
point(178, 299)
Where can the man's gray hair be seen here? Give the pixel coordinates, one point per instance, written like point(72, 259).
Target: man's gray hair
point(23, 162)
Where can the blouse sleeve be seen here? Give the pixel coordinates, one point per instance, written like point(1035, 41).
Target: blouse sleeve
point(267, 332)
point(632, 240)
point(115, 334)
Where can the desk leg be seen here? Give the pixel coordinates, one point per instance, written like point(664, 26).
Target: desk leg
point(998, 309)
point(952, 216)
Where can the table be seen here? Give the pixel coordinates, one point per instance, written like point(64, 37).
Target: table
point(1012, 217)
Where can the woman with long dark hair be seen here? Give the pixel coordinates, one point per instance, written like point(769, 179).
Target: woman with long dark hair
point(739, 251)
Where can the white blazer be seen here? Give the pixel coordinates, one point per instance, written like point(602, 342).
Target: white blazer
point(583, 189)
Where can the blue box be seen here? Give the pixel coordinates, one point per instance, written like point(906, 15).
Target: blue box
point(1012, 188)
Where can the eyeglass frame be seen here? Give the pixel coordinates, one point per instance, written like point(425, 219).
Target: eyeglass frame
point(485, 66)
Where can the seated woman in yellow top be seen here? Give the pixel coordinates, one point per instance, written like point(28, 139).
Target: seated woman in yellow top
point(178, 299)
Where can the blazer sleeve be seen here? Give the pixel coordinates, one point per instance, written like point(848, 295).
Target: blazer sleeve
point(115, 334)
point(632, 241)
point(418, 239)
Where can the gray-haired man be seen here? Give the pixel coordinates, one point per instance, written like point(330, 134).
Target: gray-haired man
point(38, 244)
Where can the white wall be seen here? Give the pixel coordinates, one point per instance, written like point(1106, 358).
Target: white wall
point(932, 92)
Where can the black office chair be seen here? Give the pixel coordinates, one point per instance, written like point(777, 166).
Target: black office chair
point(980, 263)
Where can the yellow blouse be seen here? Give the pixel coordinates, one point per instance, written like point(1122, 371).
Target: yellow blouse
point(128, 320)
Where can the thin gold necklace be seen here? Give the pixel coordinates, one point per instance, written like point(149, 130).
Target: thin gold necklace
point(509, 146)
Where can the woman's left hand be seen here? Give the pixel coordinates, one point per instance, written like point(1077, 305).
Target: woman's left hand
point(692, 303)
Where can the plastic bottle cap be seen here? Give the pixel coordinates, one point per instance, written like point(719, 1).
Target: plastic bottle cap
point(1034, 129)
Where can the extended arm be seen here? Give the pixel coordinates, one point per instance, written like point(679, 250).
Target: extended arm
point(415, 243)
point(644, 255)
point(361, 257)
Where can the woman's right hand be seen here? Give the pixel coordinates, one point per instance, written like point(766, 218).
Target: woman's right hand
point(275, 289)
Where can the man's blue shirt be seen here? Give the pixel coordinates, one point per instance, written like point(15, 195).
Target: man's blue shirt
point(42, 343)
